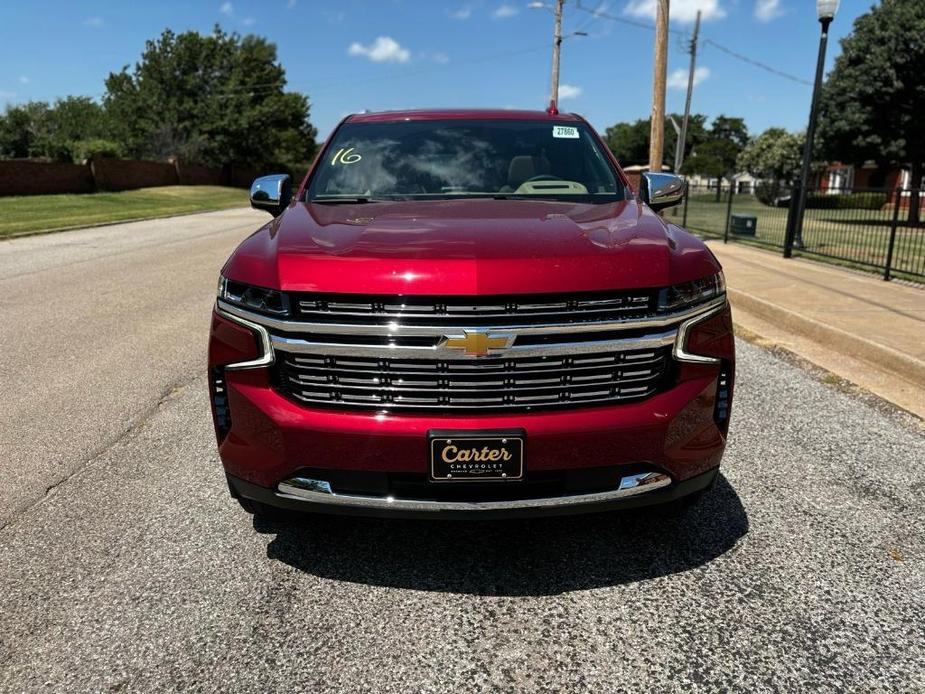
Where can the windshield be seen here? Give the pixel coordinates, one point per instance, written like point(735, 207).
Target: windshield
point(441, 159)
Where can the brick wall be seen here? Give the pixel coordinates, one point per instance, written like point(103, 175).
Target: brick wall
point(192, 175)
point(242, 178)
point(20, 177)
point(42, 178)
point(125, 174)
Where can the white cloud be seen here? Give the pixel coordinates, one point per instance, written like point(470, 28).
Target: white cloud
point(226, 9)
point(678, 78)
point(462, 13)
point(505, 12)
point(682, 11)
point(569, 91)
point(384, 49)
point(24, 80)
point(93, 22)
point(290, 4)
point(248, 21)
point(766, 10)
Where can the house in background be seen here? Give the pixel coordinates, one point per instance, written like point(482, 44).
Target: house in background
point(744, 182)
point(837, 177)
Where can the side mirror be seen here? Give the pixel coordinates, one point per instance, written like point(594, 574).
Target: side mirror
point(659, 190)
point(271, 193)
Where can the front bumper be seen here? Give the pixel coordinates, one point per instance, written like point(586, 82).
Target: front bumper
point(291, 496)
point(273, 440)
point(269, 440)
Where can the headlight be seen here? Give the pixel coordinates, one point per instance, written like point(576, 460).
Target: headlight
point(692, 293)
point(267, 301)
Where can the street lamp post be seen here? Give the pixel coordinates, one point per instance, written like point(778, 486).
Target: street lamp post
point(825, 12)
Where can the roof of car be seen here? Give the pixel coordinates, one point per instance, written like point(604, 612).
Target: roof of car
point(470, 114)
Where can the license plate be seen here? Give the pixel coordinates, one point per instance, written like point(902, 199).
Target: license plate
point(476, 457)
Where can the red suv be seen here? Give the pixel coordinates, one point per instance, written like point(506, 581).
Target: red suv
point(469, 313)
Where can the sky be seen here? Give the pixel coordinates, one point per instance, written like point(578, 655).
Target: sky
point(353, 55)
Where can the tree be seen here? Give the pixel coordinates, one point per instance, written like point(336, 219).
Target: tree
point(872, 103)
point(773, 156)
point(35, 129)
point(716, 157)
point(213, 100)
point(22, 130)
point(71, 123)
point(629, 142)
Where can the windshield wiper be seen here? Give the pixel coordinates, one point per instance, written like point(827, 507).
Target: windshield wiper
point(333, 199)
point(497, 196)
point(529, 196)
point(589, 199)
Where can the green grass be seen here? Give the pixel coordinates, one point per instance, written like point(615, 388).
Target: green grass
point(34, 213)
point(858, 238)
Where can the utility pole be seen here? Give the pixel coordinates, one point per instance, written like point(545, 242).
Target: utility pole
point(682, 139)
point(657, 132)
point(556, 46)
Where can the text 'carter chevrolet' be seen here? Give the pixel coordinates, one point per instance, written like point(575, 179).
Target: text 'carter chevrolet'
point(469, 313)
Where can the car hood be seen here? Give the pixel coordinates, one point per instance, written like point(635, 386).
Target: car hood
point(468, 247)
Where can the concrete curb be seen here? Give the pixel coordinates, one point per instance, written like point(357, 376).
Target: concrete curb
point(886, 357)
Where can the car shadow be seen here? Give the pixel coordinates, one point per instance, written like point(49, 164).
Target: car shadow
point(541, 556)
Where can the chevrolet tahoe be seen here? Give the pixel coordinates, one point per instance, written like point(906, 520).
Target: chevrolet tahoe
point(466, 314)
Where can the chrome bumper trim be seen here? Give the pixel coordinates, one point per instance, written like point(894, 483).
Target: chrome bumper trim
point(436, 352)
point(320, 492)
point(396, 329)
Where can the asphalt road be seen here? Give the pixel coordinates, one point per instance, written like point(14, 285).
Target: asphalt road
point(98, 325)
point(804, 570)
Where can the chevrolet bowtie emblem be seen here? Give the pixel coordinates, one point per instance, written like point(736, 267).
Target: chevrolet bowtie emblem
point(477, 343)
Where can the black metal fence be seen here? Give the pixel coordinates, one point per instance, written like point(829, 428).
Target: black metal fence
point(867, 228)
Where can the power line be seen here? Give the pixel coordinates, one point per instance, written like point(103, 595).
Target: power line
point(728, 51)
point(758, 63)
point(623, 20)
point(591, 19)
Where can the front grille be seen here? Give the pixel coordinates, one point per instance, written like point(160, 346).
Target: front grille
point(484, 311)
point(483, 384)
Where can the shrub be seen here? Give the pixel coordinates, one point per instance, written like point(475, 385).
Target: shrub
point(768, 192)
point(869, 200)
point(82, 150)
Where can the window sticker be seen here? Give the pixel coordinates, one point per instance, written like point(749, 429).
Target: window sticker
point(565, 131)
point(344, 156)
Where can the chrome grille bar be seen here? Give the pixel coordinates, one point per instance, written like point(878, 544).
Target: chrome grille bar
point(379, 309)
point(396, 328)
point(399, 384)
point(298, 346)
